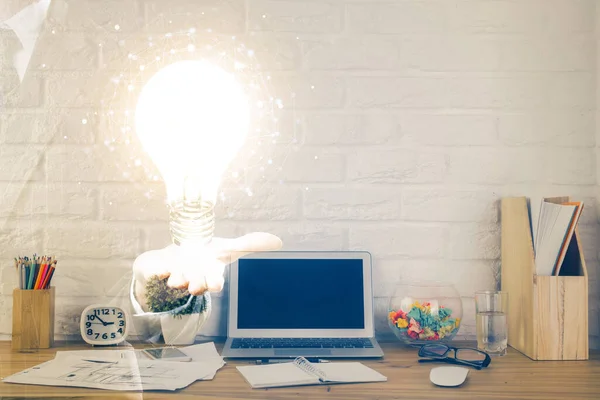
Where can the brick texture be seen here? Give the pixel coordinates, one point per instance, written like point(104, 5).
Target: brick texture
point(393, 127)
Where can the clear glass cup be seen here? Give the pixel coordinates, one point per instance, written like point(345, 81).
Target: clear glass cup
point(491, 320)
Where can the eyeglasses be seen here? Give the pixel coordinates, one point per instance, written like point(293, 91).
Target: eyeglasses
point(465, 356)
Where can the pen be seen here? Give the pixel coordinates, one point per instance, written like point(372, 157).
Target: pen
point(101, 361)
point(286, 360)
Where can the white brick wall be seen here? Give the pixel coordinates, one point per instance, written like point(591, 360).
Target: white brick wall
point(403, 125)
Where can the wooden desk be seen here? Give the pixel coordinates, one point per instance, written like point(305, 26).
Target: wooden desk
point(512, 376)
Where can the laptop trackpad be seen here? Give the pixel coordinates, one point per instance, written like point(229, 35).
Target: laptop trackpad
point(302, 352)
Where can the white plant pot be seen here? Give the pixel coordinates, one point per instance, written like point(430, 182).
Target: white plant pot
point(181, 329)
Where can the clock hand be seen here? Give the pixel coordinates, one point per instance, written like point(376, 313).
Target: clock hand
point(100, 319)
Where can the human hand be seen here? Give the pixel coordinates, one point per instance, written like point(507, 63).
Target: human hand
point(198, 269)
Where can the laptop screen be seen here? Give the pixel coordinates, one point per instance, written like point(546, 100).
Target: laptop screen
point(300, 294)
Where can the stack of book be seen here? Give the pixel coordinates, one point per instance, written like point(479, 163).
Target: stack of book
point(552, 233)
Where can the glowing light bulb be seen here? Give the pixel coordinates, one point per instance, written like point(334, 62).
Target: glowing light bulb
point(192, 118)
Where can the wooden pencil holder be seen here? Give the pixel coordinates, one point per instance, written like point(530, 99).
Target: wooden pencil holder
point(547, 315)
point(33, 319)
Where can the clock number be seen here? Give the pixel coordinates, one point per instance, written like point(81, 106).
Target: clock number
point(98, 314)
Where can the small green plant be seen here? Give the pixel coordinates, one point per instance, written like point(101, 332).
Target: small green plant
point(162, 298)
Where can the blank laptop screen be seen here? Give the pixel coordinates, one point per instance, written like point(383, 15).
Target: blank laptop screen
point(300, 294)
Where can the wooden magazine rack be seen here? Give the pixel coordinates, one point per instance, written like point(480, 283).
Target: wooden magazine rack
point(547, 315)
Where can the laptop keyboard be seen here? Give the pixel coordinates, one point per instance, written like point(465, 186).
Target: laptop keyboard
point(301, 343)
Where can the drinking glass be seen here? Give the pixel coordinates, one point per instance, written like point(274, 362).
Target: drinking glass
point(492, 325)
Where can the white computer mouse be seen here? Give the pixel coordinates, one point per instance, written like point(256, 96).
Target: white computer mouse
point(448, 376)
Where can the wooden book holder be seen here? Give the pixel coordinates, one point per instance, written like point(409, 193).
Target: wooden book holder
point(547, 315)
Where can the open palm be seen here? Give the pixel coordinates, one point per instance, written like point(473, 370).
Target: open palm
point(197, 268)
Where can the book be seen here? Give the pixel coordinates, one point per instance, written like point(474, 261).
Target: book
point(534, 205)
point(570, 232)
point(302, 372)
point(556, 225)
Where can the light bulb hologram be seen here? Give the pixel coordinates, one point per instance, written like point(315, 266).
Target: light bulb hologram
point(272, 127)
point(192, 118)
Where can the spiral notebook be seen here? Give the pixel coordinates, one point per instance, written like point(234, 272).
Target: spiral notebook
point(302, 372)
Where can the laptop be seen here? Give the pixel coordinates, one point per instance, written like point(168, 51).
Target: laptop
point(311, 304)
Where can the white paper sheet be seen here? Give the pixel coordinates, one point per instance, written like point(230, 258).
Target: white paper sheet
point(205, 353)
point(122, 370)
point(114, 355)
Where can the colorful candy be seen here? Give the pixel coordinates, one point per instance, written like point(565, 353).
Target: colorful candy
point(424, 321)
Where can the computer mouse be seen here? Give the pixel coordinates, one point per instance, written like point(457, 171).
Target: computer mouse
point(448, 376)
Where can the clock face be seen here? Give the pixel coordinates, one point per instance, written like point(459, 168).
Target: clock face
point(103, 325)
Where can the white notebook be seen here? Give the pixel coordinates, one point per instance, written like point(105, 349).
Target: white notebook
point(302, 372)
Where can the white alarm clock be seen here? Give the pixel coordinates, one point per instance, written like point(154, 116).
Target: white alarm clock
point(104, 325)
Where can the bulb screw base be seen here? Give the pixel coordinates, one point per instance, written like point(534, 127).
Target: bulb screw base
point(192, 222)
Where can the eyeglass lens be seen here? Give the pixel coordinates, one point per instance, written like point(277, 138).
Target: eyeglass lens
point(438, 350)
point(469, 355)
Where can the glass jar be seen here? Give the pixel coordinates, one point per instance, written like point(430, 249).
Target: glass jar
point(425, 312)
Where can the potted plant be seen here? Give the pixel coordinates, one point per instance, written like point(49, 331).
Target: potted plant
point(184, 314)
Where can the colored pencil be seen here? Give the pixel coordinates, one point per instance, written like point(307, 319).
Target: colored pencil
point(18, 268)
point(47, 265)
point(50, 275)
point(38, 278)
point(26, 268)
point(35, 273)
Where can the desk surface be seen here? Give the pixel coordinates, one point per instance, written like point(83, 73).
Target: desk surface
point(512, 376)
